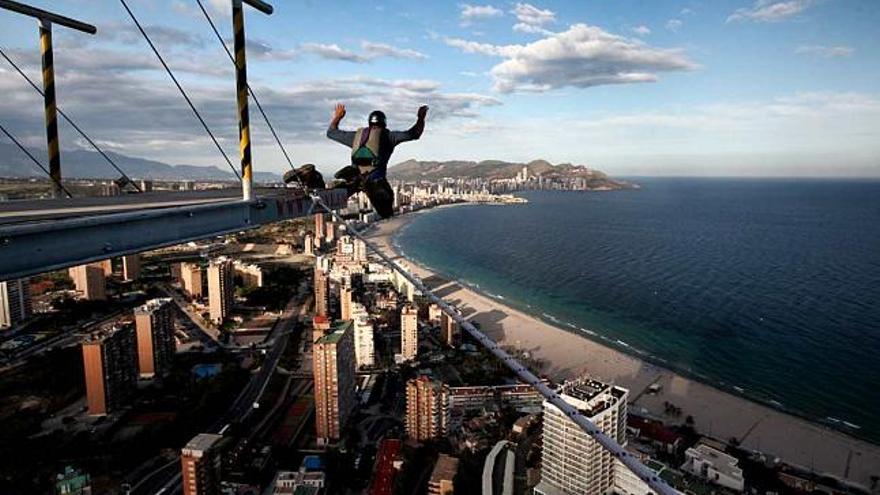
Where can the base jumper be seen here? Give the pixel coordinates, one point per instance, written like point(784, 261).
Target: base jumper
point(371, 149)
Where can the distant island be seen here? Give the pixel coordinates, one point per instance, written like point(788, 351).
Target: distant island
point(537, 174)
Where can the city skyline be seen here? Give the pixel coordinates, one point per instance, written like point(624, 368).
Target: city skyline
point(615, 323)
point(674, 88)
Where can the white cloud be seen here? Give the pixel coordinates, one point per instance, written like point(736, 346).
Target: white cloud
point(674, 25)
point(825, 51)
point(471, 13)
point(583, 56)
point(332, 51)
point(642, 30)
point(222, 7)
point(163, 36)
point(262, 50)
point(531, 29)
point(101, 91)
point(528, 14)
point(375, 50)
point(483, 48)
point(770, 11)
point(370, 51)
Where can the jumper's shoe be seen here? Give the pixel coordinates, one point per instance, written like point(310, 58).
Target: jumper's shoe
point(348, 178)
point(306, 175)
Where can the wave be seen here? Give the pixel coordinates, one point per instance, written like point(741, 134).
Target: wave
point(550, 317)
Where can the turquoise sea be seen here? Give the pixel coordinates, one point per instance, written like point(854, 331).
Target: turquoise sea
point(769, 289)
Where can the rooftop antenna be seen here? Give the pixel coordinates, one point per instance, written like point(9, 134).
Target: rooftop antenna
point(45, 21)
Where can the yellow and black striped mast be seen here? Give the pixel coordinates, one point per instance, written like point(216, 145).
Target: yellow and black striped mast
point(46, 20)
point(241, 87)
point(49, 104)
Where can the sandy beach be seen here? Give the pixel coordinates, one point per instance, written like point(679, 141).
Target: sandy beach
point(718, 413)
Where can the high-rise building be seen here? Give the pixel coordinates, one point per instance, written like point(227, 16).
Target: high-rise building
point(251, 275)
point(155, 337)
point(434, 314)
point(320, 225)
point(333, 365)
point(200, 465)
point(89, 281)
point(360, 251)
point(320, 327)
point(322, 292)
point(443, 476)
point(346, 295)
point(191, 280)
point(221, 290)
point(573, 462)
point(131, 267)
point(409, 332)
point(448, 330)
point(330, 231)
point(15, 302)
point(110, 364)
point(364, 349)
point(427, 408)
point(107, 266)
point(309, 245)
point(350, 250)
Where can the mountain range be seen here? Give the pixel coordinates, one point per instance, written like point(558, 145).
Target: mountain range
point(84, 164)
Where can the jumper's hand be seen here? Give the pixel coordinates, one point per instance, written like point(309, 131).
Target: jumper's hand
point(339, 113)
point(423, 111)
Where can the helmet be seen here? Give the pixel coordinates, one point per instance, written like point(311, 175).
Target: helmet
point(377, 118)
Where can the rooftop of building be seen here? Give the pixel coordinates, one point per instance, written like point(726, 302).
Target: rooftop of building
point(203, 442)
point(106, 331)
point(445, 468)
point(722, 462)
point(587, 389)
point(337, 331)
point(152, 305)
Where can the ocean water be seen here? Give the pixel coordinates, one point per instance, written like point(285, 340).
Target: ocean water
point(769, 289)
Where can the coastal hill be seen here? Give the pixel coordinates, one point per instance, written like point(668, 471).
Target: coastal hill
point(84, 164)
point(413, 170)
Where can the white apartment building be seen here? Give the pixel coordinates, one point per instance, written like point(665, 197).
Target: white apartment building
point(364, 349)
point(574, 463)
point(713, 465)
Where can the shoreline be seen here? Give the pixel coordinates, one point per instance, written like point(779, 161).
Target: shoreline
point(718, 413)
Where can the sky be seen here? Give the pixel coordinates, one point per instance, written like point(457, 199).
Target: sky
point(630, 87)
